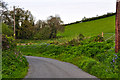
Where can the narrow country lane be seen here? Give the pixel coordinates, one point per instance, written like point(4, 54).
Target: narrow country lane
point(49, 68)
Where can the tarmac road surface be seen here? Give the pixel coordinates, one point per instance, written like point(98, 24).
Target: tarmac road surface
point(40, 67)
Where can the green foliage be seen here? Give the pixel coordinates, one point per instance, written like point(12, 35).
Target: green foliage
point(55, 25)
point(42, 34)
point(7, 30)
point(25, 30)
point(98, 38)
point(8, 42)
point(81, 37)
point(96, 58)
point(14, 64)
point(81, 40)
point(76, 41)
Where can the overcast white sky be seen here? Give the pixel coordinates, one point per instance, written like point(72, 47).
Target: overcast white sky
point(68, 10)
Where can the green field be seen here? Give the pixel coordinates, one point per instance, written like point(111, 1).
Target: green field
point(90, 28)
point(106, 25)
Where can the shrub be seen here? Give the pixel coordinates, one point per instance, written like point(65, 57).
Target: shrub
point(81, 37)
point(43, 34)
point(8, 42)
point(7, 30)
point(98, 38)
point(13, 64)
point(77, 41)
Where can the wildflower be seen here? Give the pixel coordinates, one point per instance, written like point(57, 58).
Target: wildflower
point(116, 58)
point(15, 52)
point(20, 60)
point(7, 46)
point(48, 44)
point(113, 60)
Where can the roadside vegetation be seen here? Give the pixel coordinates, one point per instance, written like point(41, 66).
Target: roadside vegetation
point(14, 64)
point(93, 55)
point(80, 43)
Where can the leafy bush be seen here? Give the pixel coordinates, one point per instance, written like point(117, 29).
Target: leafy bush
point(81, 40)
point(7, 30)
point(43, 34)
point(13, 62)
point(98, 38)
point(76, 41)
point(8, 42)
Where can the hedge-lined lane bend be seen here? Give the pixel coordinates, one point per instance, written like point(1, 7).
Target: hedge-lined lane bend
point(40, 67)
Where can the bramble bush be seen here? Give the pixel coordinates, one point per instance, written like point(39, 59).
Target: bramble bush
point(8, 42)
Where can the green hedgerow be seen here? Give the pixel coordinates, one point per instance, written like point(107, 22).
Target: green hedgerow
point(8, 42)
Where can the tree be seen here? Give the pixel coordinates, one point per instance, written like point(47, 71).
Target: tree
point(55, 24)
point(39, 25)
point(42, 30)
point(21, 16)
point(26, 30)
point(5, 13)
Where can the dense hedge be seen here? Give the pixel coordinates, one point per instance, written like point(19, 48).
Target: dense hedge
point(14, 64)
point(7, 30)
point(91, 19)
point(8, 42)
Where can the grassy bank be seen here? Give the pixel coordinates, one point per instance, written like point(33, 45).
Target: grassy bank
point(91, 28)
point(14, 64)
point(96, 58)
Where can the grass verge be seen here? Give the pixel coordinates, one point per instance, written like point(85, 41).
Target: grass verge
point(14, 64)
point(97, 58)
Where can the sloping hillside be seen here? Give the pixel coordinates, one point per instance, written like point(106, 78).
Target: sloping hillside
point(106, 25)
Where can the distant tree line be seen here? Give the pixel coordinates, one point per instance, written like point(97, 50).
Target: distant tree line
point(91, 19)
point(25, 25)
